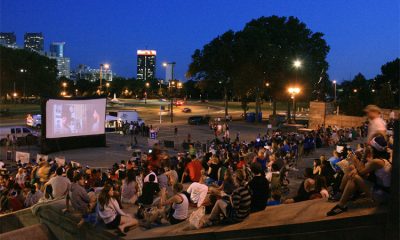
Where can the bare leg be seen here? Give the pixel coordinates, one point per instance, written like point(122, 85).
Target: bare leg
point(219, 207)
point(344, 182)
point(348, 191)
point(127, 222)
point(362, 186)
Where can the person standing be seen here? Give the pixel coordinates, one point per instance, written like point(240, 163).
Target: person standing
point(376, 124)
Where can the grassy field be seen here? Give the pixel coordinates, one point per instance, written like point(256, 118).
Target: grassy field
point(20, 109)
point(280, 106)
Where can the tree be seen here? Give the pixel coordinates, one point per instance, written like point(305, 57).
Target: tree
point(30, 73)
point(389, 79)
point(264, 50)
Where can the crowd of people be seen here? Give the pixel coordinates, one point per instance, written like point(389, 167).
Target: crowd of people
point(230, 180)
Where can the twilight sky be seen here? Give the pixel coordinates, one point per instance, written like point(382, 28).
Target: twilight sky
point(362, 34)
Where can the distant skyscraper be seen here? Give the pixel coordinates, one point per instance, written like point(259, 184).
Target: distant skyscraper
point(146, 64)
point(34, 41)
point(57, 49)
point(8, 38)
point(63, 63)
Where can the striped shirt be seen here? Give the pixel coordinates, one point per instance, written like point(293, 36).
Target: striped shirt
point(241, 201)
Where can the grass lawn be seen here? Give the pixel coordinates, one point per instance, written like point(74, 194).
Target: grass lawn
point(20, 109)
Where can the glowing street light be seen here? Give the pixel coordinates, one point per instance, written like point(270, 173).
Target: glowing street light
point(297, 64)
point(15, 94)
point(267, 84)
point(334, 85)
point(64, 84)
point(355, 90)
point(179, 85)
point(293, 91)
point(147, 84)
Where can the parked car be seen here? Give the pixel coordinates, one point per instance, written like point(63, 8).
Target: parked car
point(197, 120)
point(187, 110)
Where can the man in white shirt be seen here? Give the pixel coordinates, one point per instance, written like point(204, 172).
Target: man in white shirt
point(198, 191)
point(376, 124)
point(59, 184)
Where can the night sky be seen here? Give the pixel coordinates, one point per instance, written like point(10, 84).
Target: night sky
point(362, 34)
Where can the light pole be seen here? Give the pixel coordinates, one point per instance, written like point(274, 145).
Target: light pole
point(293, 91)
point(106, 67)
point(334, 94)
point(24, 71)
point(64, 92)
point(172, 64)
point(107, 86)
point(145, 93)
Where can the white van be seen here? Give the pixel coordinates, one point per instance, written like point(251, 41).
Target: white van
point(17, 131)
point(34, 120)
point(127, 116)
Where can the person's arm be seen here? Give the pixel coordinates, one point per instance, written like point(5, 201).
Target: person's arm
point(372, 165)
point(114, 202)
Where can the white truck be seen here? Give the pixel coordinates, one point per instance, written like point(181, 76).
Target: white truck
point(14, 131)
point(128, 116)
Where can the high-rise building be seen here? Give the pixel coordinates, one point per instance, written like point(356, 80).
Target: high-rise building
point(57, 49)
point(8, 38)
point(146, 64)
point(63, 63)
point(34, 41)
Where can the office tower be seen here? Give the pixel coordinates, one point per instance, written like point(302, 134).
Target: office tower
point(146, 64)
point(57, 49)
point(34, 41)
point(8, 38)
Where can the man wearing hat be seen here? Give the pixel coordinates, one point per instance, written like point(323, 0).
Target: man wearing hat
point(376, 124)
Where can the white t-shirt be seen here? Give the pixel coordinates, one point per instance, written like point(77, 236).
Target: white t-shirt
point(60, 185)
point(376, 125)
point(198, 192)
point(146, 179)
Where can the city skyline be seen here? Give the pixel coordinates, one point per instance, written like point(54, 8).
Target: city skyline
point(115, 38)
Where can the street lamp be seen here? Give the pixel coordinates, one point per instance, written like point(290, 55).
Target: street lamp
point(107, 86)
point(334, 85)
point(297, 64)
point(354, 90)
point(106, 67)
point(171, 82)
point(293, 91)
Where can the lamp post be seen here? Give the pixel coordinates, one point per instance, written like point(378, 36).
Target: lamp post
point(334, 93)
point(24, 71)
point(107, 86)
point(172, 64)
point(145, 93)
point(293, 91)
point(106, 67)
point(64, 92)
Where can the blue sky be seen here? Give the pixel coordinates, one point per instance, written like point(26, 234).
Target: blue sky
point(362, 34)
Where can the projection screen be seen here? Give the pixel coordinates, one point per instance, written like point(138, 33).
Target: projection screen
point(69, 118)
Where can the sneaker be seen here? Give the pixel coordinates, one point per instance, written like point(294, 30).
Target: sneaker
point(336, 210)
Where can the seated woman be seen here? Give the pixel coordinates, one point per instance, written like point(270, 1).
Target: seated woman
point(356, 180)
point(306, 188)
point(179, 204)
point(234, 210)
point(110, 212)
point(129, 188)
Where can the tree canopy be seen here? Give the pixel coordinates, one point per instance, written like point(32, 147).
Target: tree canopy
point(32, 73)
point(262, 52)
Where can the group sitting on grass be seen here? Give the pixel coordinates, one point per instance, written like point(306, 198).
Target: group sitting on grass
point(229, 181)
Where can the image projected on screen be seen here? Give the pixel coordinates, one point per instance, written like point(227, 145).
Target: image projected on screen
point(67, 118)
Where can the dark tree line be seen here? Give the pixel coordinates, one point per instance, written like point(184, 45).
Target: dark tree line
point(256, 62)
point(383, 90)
point(29, 72)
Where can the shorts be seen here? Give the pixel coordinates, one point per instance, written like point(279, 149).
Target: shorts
point(115, 223)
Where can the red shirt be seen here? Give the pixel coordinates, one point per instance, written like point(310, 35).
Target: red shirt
point(194, 169)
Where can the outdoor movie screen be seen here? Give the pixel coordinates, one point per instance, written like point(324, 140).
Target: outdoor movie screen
point(70, 118)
